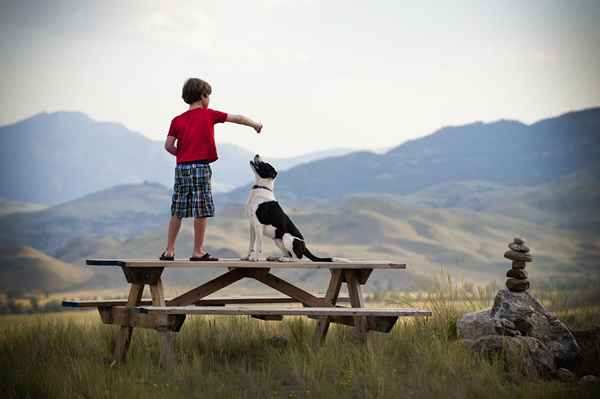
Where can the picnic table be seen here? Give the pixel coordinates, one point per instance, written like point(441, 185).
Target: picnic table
point(168, 315)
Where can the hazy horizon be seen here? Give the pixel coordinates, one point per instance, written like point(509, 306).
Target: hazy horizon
point(322, 149)
point(319, 75)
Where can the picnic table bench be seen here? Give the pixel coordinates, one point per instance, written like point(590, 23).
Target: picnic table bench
point(168, 315)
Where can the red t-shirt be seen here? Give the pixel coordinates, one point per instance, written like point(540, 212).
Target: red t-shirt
point(195, 134)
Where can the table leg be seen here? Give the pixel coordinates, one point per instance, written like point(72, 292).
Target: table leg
point(124, 335)
point(356, 300)
point(158, 299)
point(335, 283)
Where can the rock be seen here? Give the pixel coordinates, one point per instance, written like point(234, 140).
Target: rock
point(506, 327)
point(514, 255)
point(517, 273)
point(565, 375)
point(589, 380)
point(476, 324)
point(518, 241)
point(518, 265)
point(524, 352)
point(518, 247)
point(517, 285)
point(532, 319)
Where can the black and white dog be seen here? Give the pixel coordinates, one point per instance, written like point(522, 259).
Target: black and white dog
point(268, 219)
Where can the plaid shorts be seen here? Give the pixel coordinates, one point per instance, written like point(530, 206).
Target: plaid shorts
point(192, 196)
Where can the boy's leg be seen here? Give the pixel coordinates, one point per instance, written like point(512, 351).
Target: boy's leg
point(174, 225)
point(199, 229)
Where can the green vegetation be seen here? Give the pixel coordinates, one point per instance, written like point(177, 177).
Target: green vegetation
point(65, 355)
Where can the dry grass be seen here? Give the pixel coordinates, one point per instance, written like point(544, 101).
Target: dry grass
point(64, 355)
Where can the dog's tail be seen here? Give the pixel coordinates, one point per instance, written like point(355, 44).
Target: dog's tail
point(300, 250)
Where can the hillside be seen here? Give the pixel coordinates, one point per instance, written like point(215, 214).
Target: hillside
point(27, 269)
point(503, 152)
point(468, 243)
point(120, 212)
point(569, 203)
point(51, 158)
point(8, 207)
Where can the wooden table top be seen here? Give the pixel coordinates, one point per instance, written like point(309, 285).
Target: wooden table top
point(237, 263)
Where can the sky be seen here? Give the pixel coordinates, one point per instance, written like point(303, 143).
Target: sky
point(317, 74)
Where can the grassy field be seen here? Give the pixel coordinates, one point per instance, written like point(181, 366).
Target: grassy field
point(64, 355)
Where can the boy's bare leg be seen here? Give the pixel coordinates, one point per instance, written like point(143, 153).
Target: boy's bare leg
point(199, 229)
point(174, 225)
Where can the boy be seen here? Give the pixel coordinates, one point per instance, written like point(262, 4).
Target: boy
point(195, 150)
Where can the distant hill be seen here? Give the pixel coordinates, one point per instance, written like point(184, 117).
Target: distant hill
point(503, 152)
point(55, 157)
point(468, 244)
point(569, 203)
point(8, 207)
point(27, 269)
point(130, 221)
point(120, 212)
point(232, 170)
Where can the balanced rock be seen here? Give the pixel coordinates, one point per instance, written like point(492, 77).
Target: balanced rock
point(517, 285)
point(518, 241)
point(517, 256)
point(517, 273)
point(518, 264)
point(518, 247)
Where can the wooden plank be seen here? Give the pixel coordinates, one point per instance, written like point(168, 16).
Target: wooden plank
point(286, 311)
point(158, 299)
point(289, 289)
point(208, 288)
point(203, 302)
point(270, 317)
point(129, 317)
point(375, 323)
point(357, 301)
point(237, 263)
point(333, 290)
point(124, 335)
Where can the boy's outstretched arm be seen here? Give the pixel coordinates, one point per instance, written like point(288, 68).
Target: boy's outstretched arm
point(243, 120)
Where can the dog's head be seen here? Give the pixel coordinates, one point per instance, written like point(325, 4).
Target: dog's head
point(261, 169)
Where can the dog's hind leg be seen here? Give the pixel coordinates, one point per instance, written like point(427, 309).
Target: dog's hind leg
point(286, 255)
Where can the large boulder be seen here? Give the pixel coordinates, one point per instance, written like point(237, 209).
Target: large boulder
point(533, 320)
point(519, 315)
point(477, 324)
point(525, 353)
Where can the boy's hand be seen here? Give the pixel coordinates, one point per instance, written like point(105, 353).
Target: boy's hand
point(258, 127)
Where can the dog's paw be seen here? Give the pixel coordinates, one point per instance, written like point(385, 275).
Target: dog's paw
point(253, 257)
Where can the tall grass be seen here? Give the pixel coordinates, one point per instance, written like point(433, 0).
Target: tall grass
point(66, 356)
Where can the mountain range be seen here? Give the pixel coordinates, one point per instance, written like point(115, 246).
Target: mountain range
point(56, 157)
point(503, 152)
point(450, 200)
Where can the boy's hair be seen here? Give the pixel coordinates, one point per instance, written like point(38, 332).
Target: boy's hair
point(194, 89)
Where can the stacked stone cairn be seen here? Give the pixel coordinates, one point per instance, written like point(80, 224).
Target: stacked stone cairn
point(517, 276)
